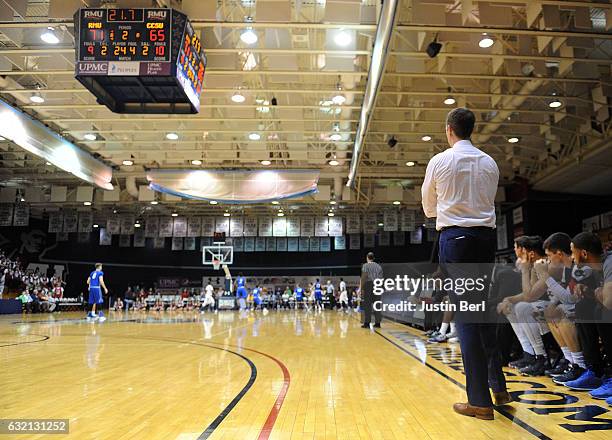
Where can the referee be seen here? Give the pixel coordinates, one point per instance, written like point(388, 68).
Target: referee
point(459, 190)
point(370, 271)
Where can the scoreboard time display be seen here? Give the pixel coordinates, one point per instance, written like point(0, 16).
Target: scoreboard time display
point(137, 60)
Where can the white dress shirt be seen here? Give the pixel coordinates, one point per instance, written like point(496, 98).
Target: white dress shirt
point(460, 186)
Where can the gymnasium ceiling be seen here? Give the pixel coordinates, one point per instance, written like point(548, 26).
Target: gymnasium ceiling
point(543, 51)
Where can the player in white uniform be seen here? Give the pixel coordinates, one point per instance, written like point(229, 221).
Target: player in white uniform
point(343, 300)
point(209, 298)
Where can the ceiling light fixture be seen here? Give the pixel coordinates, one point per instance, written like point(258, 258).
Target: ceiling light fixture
point(330, 214)
point(397, 202)
point(410, 163)
point(50, 36)
point(87, 203)
point(265, 162)
point(154, 202)
point(137, 225)
point(513, 140)
point(37, 98)
point(380, 225)
point(486, 41)
point(335, 137)
point(254, 136)
point(275, 202)
point(281, 214)
point(426, 138)
point(238, 98)
point(555, 103)
point(334, 163)
point(332, 202)
point(128, 162)
point(196, 162)
point(175, 214)
point(96, 226)
point(343, 38)
point(90, 136)
point(449, 100)
point(248, 36)
point(172, 136)
point(226, 214)
point(213, 202)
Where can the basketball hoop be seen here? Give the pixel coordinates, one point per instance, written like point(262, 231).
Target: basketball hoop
point(216, 263)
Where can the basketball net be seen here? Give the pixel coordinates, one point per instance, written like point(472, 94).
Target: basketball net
point(216, 264)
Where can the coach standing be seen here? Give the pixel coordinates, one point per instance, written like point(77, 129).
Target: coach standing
point(370, 271)
point(459, 190)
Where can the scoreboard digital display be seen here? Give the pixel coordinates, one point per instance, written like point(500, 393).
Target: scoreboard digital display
point(159, 46)
point(125, 35)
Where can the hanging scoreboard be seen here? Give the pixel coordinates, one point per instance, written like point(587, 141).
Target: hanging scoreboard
point(140, 60)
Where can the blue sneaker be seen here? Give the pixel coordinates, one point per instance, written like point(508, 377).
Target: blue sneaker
point(587, 382)
point(604, 391)
point(609, 401)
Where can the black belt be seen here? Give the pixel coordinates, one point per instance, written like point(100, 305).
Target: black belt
point(484, 228)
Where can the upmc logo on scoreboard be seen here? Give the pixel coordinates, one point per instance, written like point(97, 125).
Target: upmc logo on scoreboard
point(156, 15)
point(92, 68)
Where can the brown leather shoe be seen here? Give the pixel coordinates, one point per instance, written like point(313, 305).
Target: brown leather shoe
point(480, 412)
point(502, 398)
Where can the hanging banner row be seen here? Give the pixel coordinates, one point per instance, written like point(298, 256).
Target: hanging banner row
point(14, 214)
point(265, 226)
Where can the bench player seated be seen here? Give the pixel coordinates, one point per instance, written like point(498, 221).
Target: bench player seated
point(521, 309)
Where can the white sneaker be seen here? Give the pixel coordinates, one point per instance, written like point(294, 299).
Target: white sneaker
point(453, 337)
point(101, 319)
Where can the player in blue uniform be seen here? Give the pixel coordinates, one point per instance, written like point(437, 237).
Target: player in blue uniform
point(257, 292)
point(95, 282)
point(241, 291)
point(318, 295)
point(299, 296)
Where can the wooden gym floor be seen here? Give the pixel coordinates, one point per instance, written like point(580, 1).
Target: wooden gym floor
point(283, 375)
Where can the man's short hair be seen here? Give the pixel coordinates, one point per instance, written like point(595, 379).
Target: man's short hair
point(98, 265)
point(370, 256)
point(520, 241)
point(462, 121)
point(587, 241)
point(558, 242)
point(534, 243)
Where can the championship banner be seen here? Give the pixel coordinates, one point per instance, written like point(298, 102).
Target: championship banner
point(127, 224)
point(335, 226)
point(321, 227)
point(85, 221)
point(368, 240)
point(238, 244)
point(71, 221)
point(205, 241)
point(293, 227)
point(21, 215)
point(292, 244)
point(353, 224)
point(236, 226)
point(113, 225)
point(390, 220)
point(62, 236)
point(304, 244)
point(159, 242)
point(407, 220)
point(315, 244)
point(250, 227)
point(399, 238)
point(325, 244)
point(370, 224)
point(354, 241)
point(384, 238)
point(179, 227)
point(56, 221)
point(105, 237)
point(82, 237)
point(125, 240)
point(249, 244)
point(139, 238)
point(166, 225)
point(260, 244)
point(194, 226)
point(189, 243)
point(306, 227)
point(177, 243)
point(279, 228)
point(416, 236)
point(270, 244)
point(281, 244)
point(265, 226)
point(222, 225)
point(152, 227)
point(6, 214)
point(340, 243)
point(208, 226)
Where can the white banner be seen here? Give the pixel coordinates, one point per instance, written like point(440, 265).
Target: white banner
point(177, 243)
point(222, 225)
point(270, 244)
point(335, 226)
point(85, 221)
point(194, 226)
point(238, 243)
point(280, 227)
point(159, 242)
point(56, 221)
point(293, 227)
point(189, 243)
point(353, 224)
point(304, 244)
point(125, 240)
point(340, 243)
point(368, 240)
point(293, 244)
point(354, 241)
point(407, 220)
point(249, 244)
point(390, 220)
point(71, 221)
point(152, 227)
point(236, 226)
point(416, 236)
point(139, 238)
point(260, 244)
point(127, 224)
point(306, 227)
point(106, 237)
point(281, 244)
point(208, 226)
point(321, 227)
point(325, 244)
point(21, 216)
point(315, 244)
point(250, 227)
point(370, 224)
point(265, 226)
point(6, 214)
point(179, 227)
point(113, 225)
point(166, 225)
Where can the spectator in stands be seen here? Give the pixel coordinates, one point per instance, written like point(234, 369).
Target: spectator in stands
point(26, 301)
point(118, 306)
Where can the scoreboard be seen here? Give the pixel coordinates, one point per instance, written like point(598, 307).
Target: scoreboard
point(156, 46)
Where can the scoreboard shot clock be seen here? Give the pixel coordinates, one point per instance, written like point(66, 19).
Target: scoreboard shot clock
point(140, 60)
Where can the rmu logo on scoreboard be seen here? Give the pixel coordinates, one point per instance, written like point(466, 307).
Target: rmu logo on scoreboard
point(156, 15)
point(94, 14)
